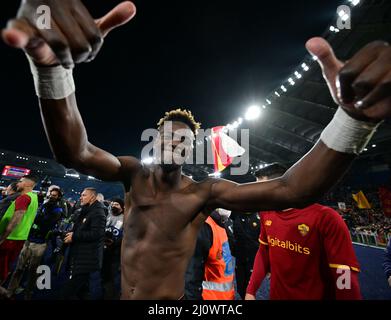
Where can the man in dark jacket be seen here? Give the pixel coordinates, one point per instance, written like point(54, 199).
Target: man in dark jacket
point(387, 262)
point(86, 239)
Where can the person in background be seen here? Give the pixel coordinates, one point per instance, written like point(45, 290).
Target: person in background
point(10, 194)
point(387, 262)
point(246, 232)
point(101, 198)
point(86, 240)
point(309, 253)
point(49, 214)
point(210, 274)
point(16, 223)
point(112, 250)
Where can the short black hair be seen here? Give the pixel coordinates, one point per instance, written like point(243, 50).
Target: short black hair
point(93, 190)
point(32, 177)
point(272, 170)
point(14, 186)
point(181, 115)
point(120, 202)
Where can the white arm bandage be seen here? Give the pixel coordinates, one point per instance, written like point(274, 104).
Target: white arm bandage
point(53, 83)
point(347, 135)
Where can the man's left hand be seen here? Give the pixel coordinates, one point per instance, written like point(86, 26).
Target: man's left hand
point(362, 85)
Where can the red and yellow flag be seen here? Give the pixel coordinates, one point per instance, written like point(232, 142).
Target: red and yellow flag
point(224, 149)
point(361, 200)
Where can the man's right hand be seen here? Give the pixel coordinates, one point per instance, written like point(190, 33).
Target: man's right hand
point(74, 36)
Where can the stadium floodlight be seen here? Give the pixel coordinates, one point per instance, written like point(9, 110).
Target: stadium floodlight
point(305, 67)
point(283, 88)
point(148, 160)
point(235, 124)
point(298, 75)
point(253, 112)
point(332, 28)
point(292, 83)
point(240, 120)
point(91, 178)
point(374, 146)
point(268, 101)
point(365, 149)
point(354, 2)
point(277, 94)
point(73, 175)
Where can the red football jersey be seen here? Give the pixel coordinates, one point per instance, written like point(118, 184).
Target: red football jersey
point(305, 247)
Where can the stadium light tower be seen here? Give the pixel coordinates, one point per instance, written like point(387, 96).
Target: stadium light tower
point(252, 113)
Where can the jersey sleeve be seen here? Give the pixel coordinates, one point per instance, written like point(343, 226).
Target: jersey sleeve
point(340, 255)
point(260, 269)
point(337, 242)
point(22, 202)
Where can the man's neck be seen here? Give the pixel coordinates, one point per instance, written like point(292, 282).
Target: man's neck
point(167, 179)
point(26, 190)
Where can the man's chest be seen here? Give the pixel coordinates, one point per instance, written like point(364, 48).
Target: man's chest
point(294, 236)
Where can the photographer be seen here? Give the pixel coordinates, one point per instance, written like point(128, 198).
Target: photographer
point(112, 250)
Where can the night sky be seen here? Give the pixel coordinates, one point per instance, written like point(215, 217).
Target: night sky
point(215, 57)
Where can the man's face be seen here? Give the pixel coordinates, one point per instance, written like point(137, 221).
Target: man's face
point(87, 197)
point(54, 196)
point(174, 144)
point(24, 183)
point(116, 208)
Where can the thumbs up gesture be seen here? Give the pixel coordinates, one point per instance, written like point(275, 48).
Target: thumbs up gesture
point(362, 85)
point(73, 37)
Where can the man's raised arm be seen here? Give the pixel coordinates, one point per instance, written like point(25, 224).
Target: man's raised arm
point(362, 88)
point(67, 36)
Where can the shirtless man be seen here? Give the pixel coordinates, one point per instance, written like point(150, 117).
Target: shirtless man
point(161, 228)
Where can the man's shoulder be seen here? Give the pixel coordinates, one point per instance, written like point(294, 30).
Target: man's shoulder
point(98, 207)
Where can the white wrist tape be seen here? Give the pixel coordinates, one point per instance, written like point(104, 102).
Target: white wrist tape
point(53, 83)
point(347, 135)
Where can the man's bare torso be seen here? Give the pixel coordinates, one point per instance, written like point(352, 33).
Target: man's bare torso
point(160, 233)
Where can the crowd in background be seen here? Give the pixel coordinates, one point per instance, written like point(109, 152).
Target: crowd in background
point(73, 240)
point(81, 243)
point(371, 223)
